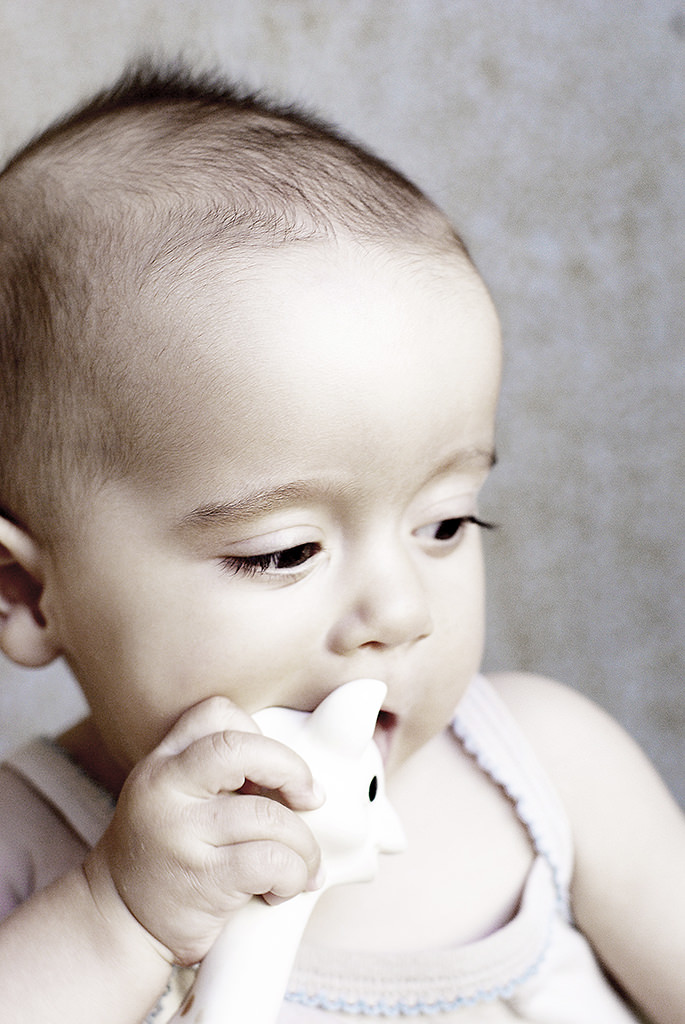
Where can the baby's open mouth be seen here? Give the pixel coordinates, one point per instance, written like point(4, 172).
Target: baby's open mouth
point(385, 728)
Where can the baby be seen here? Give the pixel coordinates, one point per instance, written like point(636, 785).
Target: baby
point(249, 382)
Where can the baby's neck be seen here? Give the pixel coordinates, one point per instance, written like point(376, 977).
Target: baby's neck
point(86, 748)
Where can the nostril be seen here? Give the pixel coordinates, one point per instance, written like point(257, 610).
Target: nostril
point(373, 789)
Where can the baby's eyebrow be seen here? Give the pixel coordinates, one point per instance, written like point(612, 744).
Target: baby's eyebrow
point(257, 503)
point(464, 459)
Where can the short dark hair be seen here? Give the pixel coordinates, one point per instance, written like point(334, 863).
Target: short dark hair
point(150, 178)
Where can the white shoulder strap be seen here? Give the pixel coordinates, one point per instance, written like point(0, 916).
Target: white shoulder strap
point(489, 733)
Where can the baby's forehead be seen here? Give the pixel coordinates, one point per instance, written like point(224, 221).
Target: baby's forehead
point(221, 321)
point(311, 301)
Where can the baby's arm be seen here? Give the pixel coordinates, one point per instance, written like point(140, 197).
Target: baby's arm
point(628, 892)
point(64, 959)
point(184, 851)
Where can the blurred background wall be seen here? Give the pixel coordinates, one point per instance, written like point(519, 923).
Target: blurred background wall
point(553, 134)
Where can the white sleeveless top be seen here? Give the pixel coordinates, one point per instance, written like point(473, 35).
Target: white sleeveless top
point(537, 968)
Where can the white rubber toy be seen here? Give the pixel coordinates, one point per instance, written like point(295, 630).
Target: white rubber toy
point(244, 976)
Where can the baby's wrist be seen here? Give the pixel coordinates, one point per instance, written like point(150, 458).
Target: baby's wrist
point(126, 929)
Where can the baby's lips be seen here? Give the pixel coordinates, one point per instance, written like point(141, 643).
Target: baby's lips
point(383, 733)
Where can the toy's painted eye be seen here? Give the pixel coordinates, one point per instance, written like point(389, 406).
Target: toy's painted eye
point(373, 788)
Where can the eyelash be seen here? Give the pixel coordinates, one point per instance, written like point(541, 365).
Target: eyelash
point(253, 565)
point(460, 521)
point(300, 554)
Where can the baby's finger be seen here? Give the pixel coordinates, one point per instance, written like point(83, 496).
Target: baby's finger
point(261, 868)
point(214, 715)
point(225, 761)
point(234, 820)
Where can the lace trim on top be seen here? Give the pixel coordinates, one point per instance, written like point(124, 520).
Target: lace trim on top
point(487, 731)
point(434, 981)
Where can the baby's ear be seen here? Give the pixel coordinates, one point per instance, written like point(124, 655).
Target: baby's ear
point(24, 634)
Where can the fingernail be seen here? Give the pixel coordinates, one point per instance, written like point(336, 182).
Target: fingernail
point(273, 900)
point(318, 792)
point(318, 880)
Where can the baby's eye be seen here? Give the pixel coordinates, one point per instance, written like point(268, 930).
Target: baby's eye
point(446, 530)
point(286, 561)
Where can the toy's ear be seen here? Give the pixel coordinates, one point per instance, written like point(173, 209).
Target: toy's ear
point(24, 635)
point(346, 719)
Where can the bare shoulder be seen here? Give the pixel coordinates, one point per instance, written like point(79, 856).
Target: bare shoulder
point(537, 701)
point(628, 890)
point(588, 755)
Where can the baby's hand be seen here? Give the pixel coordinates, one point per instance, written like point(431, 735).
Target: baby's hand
point(195, 834)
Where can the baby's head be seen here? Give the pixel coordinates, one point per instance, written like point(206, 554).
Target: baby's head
point(112, 220)
point(250, 377)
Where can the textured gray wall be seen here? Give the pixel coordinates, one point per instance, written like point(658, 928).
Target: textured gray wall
point(553, 134)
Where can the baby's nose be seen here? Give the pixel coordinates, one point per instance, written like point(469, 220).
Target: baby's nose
point(387, 605)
